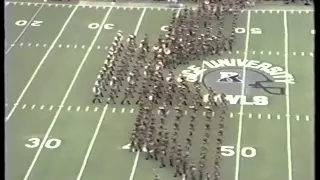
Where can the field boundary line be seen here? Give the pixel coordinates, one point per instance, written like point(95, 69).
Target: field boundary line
point(24, 29)
point(148, 6)
point(66, 95)
point(40, 64)
point(288, 124)
point(236, 175)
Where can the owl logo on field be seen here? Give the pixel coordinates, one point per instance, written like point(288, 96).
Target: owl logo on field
point(229, 77)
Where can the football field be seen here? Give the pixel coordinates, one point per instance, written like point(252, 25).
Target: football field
point(53, 54)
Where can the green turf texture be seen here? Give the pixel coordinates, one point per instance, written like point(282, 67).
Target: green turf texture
point(75, 129)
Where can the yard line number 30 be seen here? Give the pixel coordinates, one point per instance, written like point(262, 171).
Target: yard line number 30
point(50, 143)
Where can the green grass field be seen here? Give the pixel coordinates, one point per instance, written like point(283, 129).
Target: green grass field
point(54, 132)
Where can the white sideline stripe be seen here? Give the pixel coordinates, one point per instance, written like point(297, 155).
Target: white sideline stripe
point(39, 65)
point(25, 28)
point(255, 10)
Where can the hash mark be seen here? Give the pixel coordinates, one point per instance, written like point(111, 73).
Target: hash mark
point(270, 11)
point(311, 54)
point(56, 5)
point(302, 53)
point(132, 109)
point(78, 108)
point(185, 112)
point(98, 47)
point(69, 108)
point(231, 115)
point(42, 107)
point(269, 116)
point(68, 46)
point(49, 5)
point(253, 52)
point(21, 3)
point(24, 106)
point(51, 107)
point(297, 117)
point(261, 52)
point(33, 106)
point(259, 116)
point(70, 6)
point(151, 8)
point(7, 3)
point(278, 11)
point(250, 115)
point(83, 46)
point(237, 52)
point(45, 45)
point(106, 47)
point(299, 12)
point(213, 113)
point(138, 8)
point(291, 11)
point(97, 7)
point(63, 5)
point(269, 53)
point(124, 8)
point(29, 44)
point(90, 6)
point(294, 53)
point(122, 110)
point(14, 3)
point(21, 44)
point(29, 4)
point(168, 112)
point(37, 45)
point(278, 116)
point(204, 113)
point(256, 11)
point(118, 7)
point(307, 118)
point(113, 110)
point(159, 9)
point(87, 108)
point(75, 46)
point(131, 8)
point(278, 52)
point(60, 45)
point(96, 109)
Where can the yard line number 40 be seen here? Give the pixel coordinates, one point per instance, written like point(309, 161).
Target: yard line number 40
point(50, 143)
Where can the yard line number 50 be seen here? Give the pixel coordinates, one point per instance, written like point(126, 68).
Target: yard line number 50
point(50, 143)
point(238, 30)
point(247, 152)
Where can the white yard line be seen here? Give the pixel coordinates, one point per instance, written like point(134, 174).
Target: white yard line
point(103, 115)
point(236, 174)
point(40, 64)
point(84, 163)
point(135, 163)
point(66, 95)
point(288, 125)
point(24, 29)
